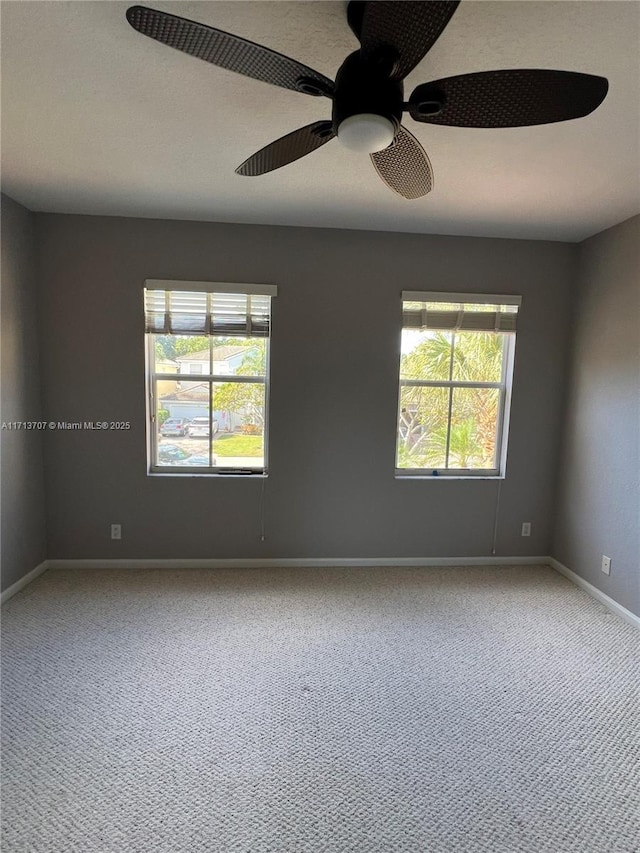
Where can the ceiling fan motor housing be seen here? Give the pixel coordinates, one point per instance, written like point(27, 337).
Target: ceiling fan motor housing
point(364, 86)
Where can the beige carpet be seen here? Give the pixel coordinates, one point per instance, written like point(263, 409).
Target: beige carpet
point(471, 710)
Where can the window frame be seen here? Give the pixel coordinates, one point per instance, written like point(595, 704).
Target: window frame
point(152, 378)
point(505, 387)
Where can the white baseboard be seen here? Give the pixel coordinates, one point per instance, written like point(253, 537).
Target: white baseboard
point(292, 562)
point(594, 592)
point(10, 591)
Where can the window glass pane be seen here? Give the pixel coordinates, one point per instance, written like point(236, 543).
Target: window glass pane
point(422, 427)
point(425, 355)
point(182, 428)
point(197, 422)
point(239, 410)
point(474, 422)
point(239, 356)
point(477, 357)
point(181, 353)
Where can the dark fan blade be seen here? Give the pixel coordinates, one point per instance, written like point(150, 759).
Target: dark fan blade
point(404, 166)
point(355, 14)
point(408, 29)
point(228, 51)
point(516, 98)
point(287, 149)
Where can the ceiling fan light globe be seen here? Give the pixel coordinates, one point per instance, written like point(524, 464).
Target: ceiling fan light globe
point(366, 133)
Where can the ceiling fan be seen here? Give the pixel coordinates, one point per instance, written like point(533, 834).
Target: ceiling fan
point(368, 93)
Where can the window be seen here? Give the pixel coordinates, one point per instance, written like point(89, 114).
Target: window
point(456, 365)
point(207, 376)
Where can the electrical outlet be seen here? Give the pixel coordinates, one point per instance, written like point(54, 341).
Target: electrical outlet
point(116, 531)
point(526, 528)
point(606, 565)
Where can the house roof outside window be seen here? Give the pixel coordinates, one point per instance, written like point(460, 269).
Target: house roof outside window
point(221, 353)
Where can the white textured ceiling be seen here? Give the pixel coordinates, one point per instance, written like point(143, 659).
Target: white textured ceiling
point(98, 119)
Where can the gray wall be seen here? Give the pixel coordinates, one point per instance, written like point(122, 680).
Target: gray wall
point(21, 480)
point(599, 487)
point(335, 354)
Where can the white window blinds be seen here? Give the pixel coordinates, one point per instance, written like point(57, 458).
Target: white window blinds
point(216, 309)
point(464, 312)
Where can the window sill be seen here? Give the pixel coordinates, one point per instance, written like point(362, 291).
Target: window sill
point(213, 475)
point(468, 477)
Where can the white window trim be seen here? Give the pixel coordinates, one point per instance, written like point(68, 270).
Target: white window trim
point(151, 377)
point(505, 385)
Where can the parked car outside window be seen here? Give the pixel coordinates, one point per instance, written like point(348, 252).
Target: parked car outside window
point(175, 426)
point(200, 427)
